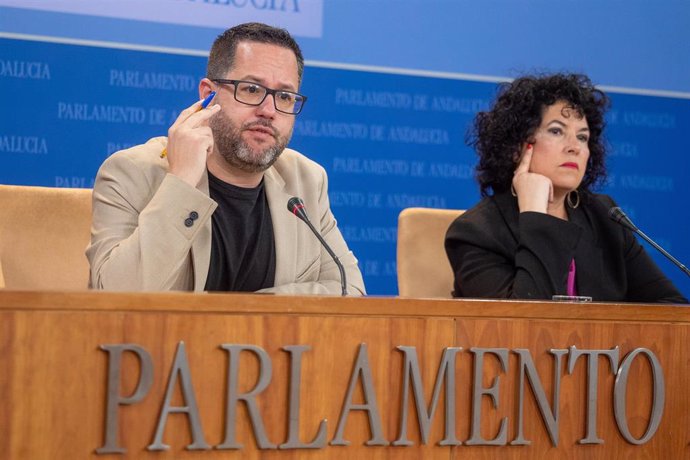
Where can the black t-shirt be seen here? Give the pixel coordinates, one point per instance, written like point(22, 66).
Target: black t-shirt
point(243, 256)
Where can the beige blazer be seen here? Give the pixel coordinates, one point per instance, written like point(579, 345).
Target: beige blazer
point(141, 241)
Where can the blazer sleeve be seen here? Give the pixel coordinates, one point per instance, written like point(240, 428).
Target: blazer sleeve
point(139, 238)
point(645, 280)
point(488, 261)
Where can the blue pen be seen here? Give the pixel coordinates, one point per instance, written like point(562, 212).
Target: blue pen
point(204, 104)
point(208, 100)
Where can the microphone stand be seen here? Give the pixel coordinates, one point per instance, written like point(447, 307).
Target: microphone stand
point(296, 206)
point(617, 215)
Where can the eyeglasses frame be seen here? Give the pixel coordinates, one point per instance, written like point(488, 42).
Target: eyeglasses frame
point(272, 92)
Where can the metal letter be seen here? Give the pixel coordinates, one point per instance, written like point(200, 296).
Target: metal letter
point(293, 441)
point(180, 367)
point(114, 399)
point(478, 391)
point(619, 393)
point(361, 368)
point(424, 416)
point(248, 398)
point(549, 415)
point(592, 384)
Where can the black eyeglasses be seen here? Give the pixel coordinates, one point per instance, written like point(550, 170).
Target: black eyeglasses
point(251, 93)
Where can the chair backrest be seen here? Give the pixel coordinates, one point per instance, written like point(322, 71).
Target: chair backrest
point(43, 234)
point(423, 267)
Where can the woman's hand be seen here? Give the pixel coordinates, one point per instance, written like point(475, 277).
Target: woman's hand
point(534, 191)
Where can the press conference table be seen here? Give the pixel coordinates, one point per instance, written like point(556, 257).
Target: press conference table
point(175, 375)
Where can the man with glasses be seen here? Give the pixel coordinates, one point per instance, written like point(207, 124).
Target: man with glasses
point(205, 209)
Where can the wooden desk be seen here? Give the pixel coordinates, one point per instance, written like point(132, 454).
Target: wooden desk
point(54, 368)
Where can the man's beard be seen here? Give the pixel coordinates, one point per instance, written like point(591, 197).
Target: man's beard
point(237, 153)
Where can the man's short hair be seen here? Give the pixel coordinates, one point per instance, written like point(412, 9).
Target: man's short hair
point(222, 55)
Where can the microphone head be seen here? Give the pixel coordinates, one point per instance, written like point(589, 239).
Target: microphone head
point(618, 215)
point(296, 206)
point(294, 202)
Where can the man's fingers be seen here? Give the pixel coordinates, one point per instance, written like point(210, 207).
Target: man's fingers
point(191, 111)
point(186, 113)
point(197, 119)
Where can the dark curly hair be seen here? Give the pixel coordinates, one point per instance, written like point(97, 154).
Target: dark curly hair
point(222, 55)
point(497, 135)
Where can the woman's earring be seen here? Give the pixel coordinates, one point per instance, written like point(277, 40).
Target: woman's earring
point(570, 200)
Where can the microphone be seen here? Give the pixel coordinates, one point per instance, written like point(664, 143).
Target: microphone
point(618, 215)
point(296, 206)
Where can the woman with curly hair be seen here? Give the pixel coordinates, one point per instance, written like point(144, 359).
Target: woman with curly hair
point(539, 231)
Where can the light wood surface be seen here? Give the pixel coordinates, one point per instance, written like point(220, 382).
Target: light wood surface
point(44, 232)
point(422, 264)
point(53, 375)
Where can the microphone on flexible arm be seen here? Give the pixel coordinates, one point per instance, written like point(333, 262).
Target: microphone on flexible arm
point(296, 206)
point(617, 215)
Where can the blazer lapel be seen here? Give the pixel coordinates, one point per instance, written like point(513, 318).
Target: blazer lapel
point(589, 254)
point(507, 206)
point(285, 227)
